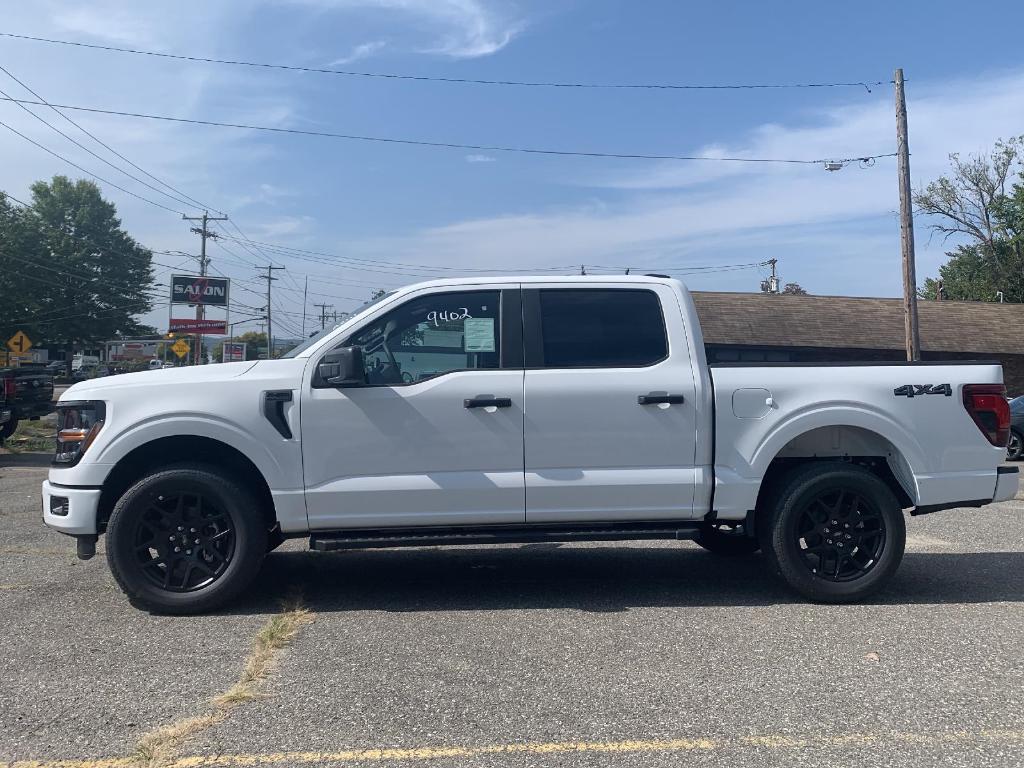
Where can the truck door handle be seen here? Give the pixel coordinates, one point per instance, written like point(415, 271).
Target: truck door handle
point(653, 399)
point(484, 402)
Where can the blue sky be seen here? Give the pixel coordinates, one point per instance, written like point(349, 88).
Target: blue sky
point(835, 233)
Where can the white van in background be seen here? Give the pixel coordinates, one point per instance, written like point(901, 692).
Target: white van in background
point(79, 362)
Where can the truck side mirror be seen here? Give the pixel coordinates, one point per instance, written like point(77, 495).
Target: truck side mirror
point(343, 367)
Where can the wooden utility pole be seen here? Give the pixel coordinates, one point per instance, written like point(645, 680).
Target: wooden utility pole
point(913, 340)
point(269, 277)
point(305, 297)
point(204, 261)
point(323, 314)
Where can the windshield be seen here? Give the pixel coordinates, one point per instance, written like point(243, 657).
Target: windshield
point(1017, 404)
point(330, 329)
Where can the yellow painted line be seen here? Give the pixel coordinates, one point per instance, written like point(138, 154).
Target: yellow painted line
point(419, 754)
point(34, 551)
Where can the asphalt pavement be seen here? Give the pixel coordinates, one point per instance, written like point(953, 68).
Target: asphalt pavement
point(535, 655)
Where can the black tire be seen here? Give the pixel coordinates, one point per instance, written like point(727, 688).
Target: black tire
point(729, 542)
point(835, 532)
point(1015, 447)
point(8, 429)
point(165, 509)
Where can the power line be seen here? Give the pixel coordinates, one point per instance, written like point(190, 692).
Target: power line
point(81, 146)
point(396, 264)
point(28, 208)
point(460, 146)
point(461, 80)
point(83, 170)
point(186, 199)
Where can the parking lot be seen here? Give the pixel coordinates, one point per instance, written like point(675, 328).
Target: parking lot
point(598, 654)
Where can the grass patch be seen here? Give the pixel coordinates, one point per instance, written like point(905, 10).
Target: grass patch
point(274, 636)
point(159, 747)
point(32, 436)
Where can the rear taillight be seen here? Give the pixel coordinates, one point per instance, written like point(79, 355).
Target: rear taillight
point(991, 412)
point(10, 389)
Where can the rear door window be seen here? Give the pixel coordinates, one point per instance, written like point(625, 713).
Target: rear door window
point(601, 328)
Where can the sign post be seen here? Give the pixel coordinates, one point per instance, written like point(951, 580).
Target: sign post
point(19, 343)
point(200, 291)
point(233, 351)
point(180, 348)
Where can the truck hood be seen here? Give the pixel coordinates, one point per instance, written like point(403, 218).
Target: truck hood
point(171, 377)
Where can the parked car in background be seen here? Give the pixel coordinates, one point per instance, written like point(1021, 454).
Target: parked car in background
point(81, 362)
point(1015, 448)
point(29, 392)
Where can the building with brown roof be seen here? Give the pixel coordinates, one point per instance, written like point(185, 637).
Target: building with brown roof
point(760, 327)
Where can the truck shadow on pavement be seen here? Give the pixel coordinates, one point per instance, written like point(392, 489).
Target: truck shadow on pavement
point(29, 459)
point(593, 579)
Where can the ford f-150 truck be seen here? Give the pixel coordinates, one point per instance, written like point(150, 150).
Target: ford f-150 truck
point(521, 409)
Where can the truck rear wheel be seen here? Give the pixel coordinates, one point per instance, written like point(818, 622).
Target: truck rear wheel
point(835, 532)
point(185, 539)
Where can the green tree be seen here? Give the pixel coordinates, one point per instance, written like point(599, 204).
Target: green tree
point(89, 278)
point(976, 202)
point(22, 287)
point(794, 289)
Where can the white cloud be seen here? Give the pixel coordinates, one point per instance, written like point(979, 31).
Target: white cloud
point(480, 159)
point(284, 225)
point(361, 51)
point(688, 213)
point(456, 28)
point(105, 23)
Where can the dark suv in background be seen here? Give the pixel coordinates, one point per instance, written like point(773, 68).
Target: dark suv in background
point(29, 394)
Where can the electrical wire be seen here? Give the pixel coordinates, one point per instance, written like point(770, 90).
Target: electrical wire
point(83, 170)
point(81, 146)
point(461, 80)
point(460, 146)
point(190, 200)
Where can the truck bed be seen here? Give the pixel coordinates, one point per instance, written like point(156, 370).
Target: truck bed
point(911, 416)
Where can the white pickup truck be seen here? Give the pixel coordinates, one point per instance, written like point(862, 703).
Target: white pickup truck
point(504, 410)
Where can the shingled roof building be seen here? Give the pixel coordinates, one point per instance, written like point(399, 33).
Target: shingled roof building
point(759, 327)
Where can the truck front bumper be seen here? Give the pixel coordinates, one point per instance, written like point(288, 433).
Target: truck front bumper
point(1007, 482)
point(70, 510)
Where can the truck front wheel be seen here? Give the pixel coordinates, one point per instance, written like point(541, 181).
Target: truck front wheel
point(185, 539)
point(835, 532)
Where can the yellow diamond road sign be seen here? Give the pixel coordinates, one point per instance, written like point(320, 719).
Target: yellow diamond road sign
point(19, 343)
point(180, 347)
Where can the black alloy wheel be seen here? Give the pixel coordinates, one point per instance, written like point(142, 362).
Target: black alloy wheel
point(840, 535)
point(186, 538)
point(834, 531)
point(184, 541)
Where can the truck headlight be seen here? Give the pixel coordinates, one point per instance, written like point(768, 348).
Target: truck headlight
point(78, 424)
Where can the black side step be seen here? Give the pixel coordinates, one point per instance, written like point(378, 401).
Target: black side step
point(326, 541)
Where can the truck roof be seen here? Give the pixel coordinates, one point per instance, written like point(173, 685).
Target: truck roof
point(568, 279)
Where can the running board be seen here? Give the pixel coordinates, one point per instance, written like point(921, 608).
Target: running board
point(327, 541)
